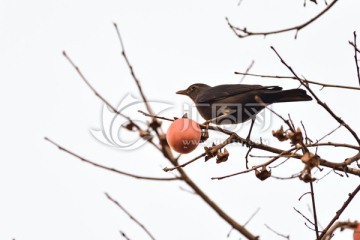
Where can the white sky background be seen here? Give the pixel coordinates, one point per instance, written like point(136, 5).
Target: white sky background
point(48, 194)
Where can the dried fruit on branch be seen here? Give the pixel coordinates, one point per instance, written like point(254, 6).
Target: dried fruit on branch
point(295, 137)
point(280, 134)
point(263, 174)
point(222, 156)
point(311, 160)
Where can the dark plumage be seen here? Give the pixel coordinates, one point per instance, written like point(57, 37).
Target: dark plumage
point(235, 103)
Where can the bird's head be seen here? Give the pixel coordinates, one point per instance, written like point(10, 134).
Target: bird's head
point(193, 90)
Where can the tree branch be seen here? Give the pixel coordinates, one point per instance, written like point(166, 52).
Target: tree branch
point(130, 216)
point(314, 209)
point(324, 105)
point(339, 212)
point(355, 57)
point(146, 102)
point(295, 78)
point(337, 225)
point(96, 93)
point(108, 168)
point(243, 32)
point(336, 166)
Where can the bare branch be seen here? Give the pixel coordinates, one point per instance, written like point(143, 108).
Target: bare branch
point(355, 47)
point(254, 167)
point(328, 134)
point(154, 116)
point(355, 57)
point(166, 169)
point(324, 105)
point(243, 32)
point(168, 154)
point(247, 71)
point(130, 216)
point(96, 93)
point(108, 168)
point(340, 211)
point(307, 219)
point(337, 225)
point(277, 233)
point(304, 194)
point(124, 235)
point(314, 209)
point(132, 71)
point(252, 216)
point(294, 78)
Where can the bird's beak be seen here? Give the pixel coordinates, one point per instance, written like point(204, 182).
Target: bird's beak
point(182, 92)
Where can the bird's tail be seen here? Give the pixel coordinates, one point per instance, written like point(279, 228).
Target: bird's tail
point(291, 95)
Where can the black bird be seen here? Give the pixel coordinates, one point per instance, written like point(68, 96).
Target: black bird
point(235, 103)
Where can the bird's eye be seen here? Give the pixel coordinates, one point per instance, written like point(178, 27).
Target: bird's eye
point(192, 88)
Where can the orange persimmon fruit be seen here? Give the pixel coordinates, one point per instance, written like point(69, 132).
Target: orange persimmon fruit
point(183, 135)
point(357, 232)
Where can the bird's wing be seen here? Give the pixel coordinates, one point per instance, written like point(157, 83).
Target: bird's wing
point(224, 91)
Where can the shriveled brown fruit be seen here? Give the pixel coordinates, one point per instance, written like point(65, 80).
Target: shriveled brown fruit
point(280, 134)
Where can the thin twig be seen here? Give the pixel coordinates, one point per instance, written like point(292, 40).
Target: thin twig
point(154, 116)
point(324, 105)
point(314, 209)
point(319, 179)
point(252, 216)
point(307, 219)
point(355, 47)
point(340, 211)
point(108, 168)
point(243, 32)
point(286, 121)
point(307, 139)
point(166, 169)
point(186, 190)
point(254, 167)
point(356, 58)
point(124, 235)
point(95, 92)
point(294, 78)
point(247, 222)
point(130, 216)
point(293, 176)
point(247, 157)
point(331, 132)
point(304, 194)
point(285, 160)
point(277, 233)
point(247, 71)
point(149, 109)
